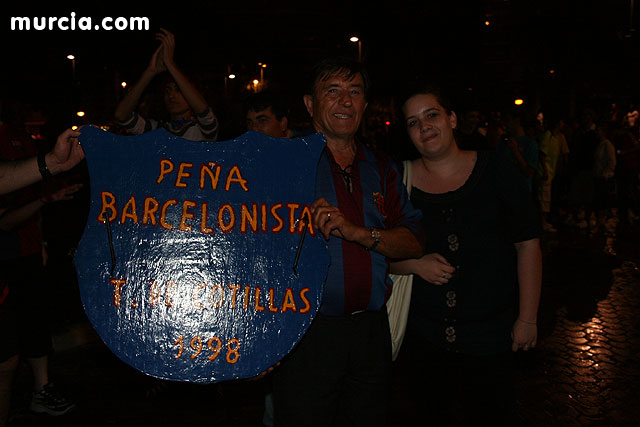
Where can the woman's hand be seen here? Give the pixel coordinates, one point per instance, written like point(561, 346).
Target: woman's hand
point(524, 335)
point(434, 268)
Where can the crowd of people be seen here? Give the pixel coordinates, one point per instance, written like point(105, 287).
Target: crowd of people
point(582, 170)
point(485, 187)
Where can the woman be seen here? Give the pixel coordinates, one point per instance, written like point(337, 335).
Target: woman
point(476, 292)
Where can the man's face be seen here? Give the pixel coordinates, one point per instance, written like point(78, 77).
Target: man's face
point(472, 118)
point(174, 101)
point(266, 122)
point(337, 106)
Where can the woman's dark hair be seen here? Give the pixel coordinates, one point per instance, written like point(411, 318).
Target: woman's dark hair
point(437, 91)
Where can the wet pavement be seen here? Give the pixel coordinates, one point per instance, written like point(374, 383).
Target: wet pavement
point(584, 372)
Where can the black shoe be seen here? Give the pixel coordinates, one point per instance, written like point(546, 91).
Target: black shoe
point(50, 401)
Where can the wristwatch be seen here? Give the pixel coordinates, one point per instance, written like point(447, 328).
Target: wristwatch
point(375, 235)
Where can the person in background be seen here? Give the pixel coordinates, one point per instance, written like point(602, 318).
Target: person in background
point(265, 112)
point(190, 116)
point(14, 175)
point(469, 135)
point(604, 168)
point(554, 153)
point(519, 148)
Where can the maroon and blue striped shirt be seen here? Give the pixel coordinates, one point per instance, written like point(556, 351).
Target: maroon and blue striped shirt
point(370, 194)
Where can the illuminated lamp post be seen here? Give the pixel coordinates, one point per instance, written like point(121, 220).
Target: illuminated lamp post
point(355, 39)
point(72, 58)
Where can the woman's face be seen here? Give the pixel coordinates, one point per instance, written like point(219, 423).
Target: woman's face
point(429, 125)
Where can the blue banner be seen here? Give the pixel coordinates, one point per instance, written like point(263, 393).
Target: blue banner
point(189, 266)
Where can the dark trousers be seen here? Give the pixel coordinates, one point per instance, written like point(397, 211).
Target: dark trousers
point(453, 389)
point(29, 299)
point(338, 375)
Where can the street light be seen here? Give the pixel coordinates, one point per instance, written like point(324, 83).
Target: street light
point(356, 39)
point(72, 58)
point(262, 67)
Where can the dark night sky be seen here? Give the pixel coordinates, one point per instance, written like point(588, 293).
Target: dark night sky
point(582, 41)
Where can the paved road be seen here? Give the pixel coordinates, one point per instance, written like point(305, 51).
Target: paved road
point(585, 371)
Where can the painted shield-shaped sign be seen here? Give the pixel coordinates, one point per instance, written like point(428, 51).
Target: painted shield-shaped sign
point(194, 264)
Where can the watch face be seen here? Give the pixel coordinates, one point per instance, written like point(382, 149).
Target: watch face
point(375, 234)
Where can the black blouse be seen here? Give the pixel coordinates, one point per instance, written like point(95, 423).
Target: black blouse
point(474, 228)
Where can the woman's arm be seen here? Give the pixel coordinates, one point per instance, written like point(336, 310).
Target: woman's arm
point(433, 268)
point(525, 330)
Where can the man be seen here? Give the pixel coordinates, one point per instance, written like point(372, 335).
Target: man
point(469, 136)
point(14, 175)
point(554, 152)
point(190, 116)
point(266, 113)
point(520, 148)
point(340, 371)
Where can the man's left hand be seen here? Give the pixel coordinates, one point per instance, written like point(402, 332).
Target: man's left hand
point(66, 153)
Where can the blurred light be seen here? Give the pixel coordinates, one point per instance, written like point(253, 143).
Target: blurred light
point(518, 101)
point(552, 71)
point(487, 23)
point(354, 39)
point(80, 113)
point(232, 76)
point(71, 57)
point(264, 65)
point(124, 84)
point(74, 127)
point(388, 123)
point(256, 81)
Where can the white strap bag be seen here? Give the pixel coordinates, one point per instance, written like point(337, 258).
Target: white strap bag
point(398, 303)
